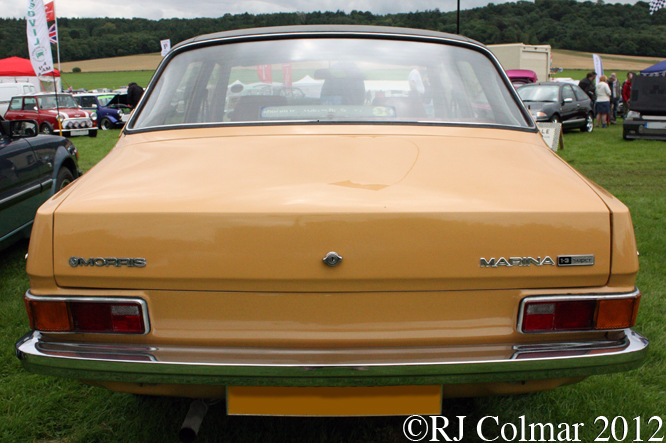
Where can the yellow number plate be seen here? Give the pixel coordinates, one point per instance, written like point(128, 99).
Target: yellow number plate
point(334, 401)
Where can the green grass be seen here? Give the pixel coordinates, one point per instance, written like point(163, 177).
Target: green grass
point(45, 409)
point(111, 80)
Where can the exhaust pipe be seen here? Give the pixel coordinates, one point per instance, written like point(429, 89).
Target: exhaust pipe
point(188, 432)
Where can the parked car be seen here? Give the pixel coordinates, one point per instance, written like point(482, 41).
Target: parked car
point(646, 117)
point(521, 77)
point(32, 169)
point(559, 102)
point(422, 246)
point(112, 109)
point(9, 90)
point(43, 108)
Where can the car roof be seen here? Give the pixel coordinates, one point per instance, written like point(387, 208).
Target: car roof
point(326, 29)
point(548, 84)
point(41, 94)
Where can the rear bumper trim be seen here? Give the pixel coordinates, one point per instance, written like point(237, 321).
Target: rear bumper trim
point(327, 367)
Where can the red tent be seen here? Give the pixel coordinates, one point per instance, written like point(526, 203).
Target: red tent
point(19, 67)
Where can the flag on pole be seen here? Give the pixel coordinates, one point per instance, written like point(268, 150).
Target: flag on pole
point(166, 46)
point(38, 38)
point(53, 34)
point(49, 8)
point(598, 66)
point(656, 5)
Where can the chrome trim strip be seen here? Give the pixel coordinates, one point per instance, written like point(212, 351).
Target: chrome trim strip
point(653, 117)
point(354, 367)
point(572, 297)
point(20, 194)
point(142, 302)
point(47, 183)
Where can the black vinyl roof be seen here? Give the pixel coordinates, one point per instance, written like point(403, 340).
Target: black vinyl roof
point(326, 29)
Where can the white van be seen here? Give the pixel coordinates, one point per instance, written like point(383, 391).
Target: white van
point(9, 90)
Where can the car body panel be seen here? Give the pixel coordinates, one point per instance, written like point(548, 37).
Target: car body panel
point(28, 172)
point(443, 228)
point(331, 193)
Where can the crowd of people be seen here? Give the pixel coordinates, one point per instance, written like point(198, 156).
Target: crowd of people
point(606, 95)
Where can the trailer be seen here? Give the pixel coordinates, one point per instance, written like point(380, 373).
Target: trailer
point(536, 58)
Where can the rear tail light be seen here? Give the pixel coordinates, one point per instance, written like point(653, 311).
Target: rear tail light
point(105, 316)
point(552, 314)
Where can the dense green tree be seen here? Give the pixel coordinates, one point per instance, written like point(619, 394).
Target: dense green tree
point(592, 26)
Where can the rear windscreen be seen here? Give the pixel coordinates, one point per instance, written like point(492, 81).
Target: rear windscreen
point(330, 80)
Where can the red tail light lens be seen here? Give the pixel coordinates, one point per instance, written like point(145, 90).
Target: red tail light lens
point(589, 313)
point(122, 317)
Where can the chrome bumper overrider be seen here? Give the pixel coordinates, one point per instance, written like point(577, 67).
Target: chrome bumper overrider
point(330, 367)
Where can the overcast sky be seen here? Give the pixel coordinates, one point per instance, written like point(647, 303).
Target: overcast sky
point(157, 9)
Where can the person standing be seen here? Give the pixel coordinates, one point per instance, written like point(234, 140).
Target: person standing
point(134, 94)
point(602, 106)
point(614, 85)
point(587, 85)
point(626, 92)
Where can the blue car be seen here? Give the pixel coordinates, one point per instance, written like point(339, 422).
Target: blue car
point(33, 167)
point(112, 109)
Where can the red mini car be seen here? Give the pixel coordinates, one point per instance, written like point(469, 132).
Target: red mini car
point(48, 108)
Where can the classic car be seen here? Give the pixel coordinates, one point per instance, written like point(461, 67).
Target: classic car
point(112, 109)
point(32, 169)
point(646, 117)
point(521, 77)
point(351, 256)
point(54, 113)
point(559, 102)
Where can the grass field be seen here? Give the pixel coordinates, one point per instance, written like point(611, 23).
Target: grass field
point(43, 409)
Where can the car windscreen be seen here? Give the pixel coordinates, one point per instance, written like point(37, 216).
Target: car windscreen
point(539, 93)
point(330, 80)
point(49, 102)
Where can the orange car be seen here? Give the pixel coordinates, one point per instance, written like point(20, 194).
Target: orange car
point(331, 220)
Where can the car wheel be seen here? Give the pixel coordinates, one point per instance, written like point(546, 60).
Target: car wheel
point(65, 177)
point(92, 133)
point(555, 119)
point(46, 128)
point(589, 124)
point(105, 124)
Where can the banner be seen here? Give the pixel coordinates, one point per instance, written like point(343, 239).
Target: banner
point(598, 67)
point(286, 71)
point(656, 5)
point(265, 73)
point(49, 8)
point(166, 46)
point(38, 38)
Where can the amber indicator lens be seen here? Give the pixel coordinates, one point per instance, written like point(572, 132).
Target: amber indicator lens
point(579, 315)
point(617, 314)
point(48, 316)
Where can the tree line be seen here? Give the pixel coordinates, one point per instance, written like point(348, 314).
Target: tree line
point(563, 24)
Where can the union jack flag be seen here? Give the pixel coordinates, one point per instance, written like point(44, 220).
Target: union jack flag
point(656, 4)
point(53, 34)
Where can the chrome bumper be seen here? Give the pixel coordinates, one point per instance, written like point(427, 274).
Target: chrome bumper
point(330, 367)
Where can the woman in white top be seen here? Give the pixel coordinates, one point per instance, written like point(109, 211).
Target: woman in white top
point(602, 107)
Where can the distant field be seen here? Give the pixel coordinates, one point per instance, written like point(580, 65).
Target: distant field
point(583, 60)
point(145, 62)
point(119, 71)
point(112, 80)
